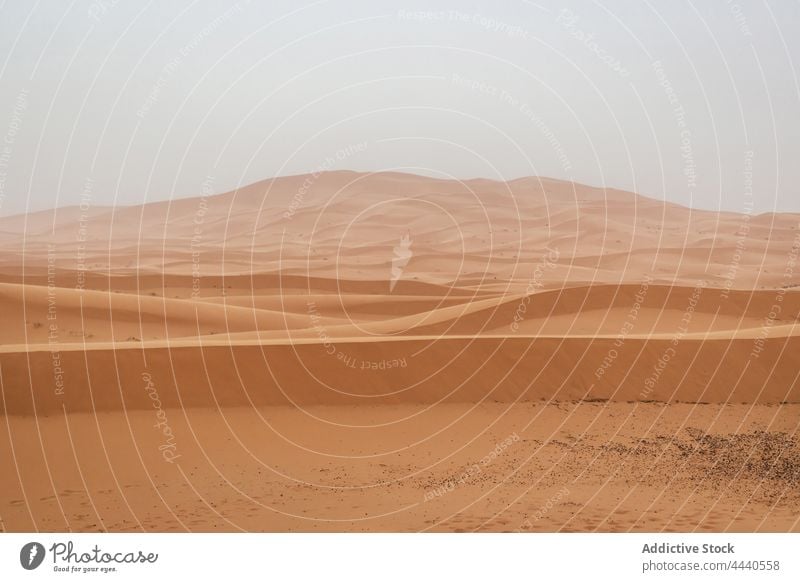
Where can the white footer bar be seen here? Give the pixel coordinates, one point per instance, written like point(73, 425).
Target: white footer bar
point(401, 557)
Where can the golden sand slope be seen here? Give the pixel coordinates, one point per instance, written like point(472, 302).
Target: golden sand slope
point(391, 288)
point(456, 467)
point(326, 348)
point(313, 343)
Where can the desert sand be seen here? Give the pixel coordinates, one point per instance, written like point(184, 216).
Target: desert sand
point(389, 352)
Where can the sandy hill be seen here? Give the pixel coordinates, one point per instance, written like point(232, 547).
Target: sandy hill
point(449, 284)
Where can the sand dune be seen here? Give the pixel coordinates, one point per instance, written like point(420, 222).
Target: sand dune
point(345, 335)
point(413, 371)
point(566, 467)
point(343, 225)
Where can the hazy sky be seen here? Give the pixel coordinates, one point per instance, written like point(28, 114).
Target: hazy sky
point(129, 101)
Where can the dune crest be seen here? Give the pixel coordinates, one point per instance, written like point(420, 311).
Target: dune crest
point(336, 337)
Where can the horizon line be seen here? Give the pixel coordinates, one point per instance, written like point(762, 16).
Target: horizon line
point(368, 173)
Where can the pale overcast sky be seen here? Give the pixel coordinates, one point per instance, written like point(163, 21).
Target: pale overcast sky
point(145, 101)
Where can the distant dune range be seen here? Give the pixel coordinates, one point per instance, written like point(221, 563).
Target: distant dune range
point(316, 342)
